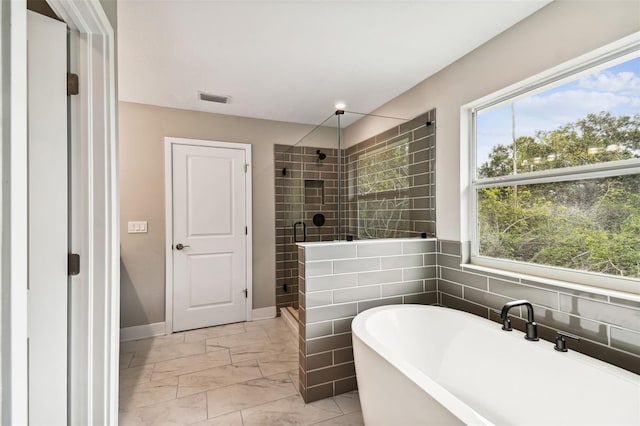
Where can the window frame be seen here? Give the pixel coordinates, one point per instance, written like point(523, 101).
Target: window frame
point(602, 58)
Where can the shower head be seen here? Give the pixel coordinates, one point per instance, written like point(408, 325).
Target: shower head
point(321, 155)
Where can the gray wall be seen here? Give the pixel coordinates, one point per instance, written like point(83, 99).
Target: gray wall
point(557, 33)
point(142, 132)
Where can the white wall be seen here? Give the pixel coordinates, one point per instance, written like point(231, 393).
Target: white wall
point(559, 32)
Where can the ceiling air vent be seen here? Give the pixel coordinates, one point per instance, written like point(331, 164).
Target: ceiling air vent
point(214, 98)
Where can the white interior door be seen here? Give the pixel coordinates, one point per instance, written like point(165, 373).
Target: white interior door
point(47, 164)
point(209, 236)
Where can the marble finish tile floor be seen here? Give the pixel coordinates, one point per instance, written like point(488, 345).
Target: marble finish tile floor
point(240, 374)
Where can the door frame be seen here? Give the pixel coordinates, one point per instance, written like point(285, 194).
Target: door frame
point(95, 293)
point(48, 186)
point(169, 142)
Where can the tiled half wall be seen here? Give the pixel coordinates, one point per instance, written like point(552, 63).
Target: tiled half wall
point(339, 280)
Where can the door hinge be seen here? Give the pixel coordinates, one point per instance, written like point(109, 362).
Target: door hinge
point(73, 87)
point(73, 264)
point(246, 167)
point(246, 293)
point(246, 230)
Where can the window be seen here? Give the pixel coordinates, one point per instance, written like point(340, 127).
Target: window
point(555, 182)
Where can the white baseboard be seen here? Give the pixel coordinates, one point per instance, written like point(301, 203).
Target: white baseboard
point(158, 328)
point(142, 331)
point(263, 313)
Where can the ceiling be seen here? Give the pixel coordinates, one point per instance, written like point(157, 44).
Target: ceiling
point(293, 60)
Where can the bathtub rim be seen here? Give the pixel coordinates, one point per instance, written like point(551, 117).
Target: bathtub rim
point(452, 403)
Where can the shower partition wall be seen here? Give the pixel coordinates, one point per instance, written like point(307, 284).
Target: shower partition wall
point(330, 188)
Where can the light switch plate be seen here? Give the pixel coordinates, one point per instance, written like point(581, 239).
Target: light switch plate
point(138, 227)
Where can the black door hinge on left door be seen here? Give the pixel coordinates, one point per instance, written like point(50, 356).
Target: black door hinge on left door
point(73, 264)
point(73, 86)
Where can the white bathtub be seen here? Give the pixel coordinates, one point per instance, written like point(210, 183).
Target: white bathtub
point(419, 365)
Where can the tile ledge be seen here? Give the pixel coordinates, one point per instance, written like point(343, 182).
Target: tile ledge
point(369, 241)
point(571, 286)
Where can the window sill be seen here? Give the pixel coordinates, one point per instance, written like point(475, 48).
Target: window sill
point(470, 267)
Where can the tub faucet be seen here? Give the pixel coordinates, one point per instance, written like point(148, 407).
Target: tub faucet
point(531, 327)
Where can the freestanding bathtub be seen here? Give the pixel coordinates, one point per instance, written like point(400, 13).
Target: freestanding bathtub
point(419, 365)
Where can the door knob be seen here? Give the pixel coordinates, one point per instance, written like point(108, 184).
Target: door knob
point(180, 246)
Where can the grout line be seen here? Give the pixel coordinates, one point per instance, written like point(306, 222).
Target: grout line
point(206, 401)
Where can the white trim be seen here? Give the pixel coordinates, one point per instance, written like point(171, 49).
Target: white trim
point(590, 171)
point(625, 286)
point(99, 362)
point(142, 331)
point(267, 312)
point(168, 237)
point(598, 59)
point(14, 207)
point(168, 208)
point(564, 284)
point(95, 293)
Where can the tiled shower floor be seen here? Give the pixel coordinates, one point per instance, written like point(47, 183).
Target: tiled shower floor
point(237, 374)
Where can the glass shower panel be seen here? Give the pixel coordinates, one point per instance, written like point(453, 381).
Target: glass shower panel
point(307, 203)
point(320, 182)
point(288, 215)
point(390, 177)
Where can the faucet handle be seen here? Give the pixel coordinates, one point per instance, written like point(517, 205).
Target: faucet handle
point(561, 342)
point(506, 322)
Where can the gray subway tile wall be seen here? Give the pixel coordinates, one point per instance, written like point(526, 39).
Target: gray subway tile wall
point(609, 327)
point(380, 277)
point(625, 340)
point(395, 262)
point(331, 282)
point(326, 354)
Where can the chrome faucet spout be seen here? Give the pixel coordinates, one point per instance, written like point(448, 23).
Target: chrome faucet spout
point(531, 326)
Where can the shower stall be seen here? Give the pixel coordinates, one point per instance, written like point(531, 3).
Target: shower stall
point(333, 185)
